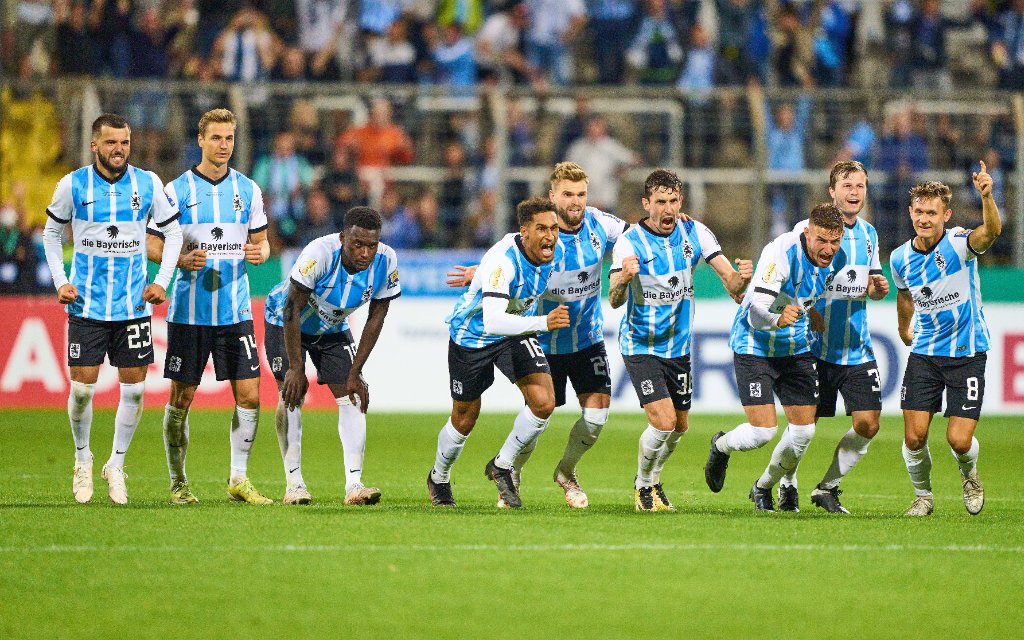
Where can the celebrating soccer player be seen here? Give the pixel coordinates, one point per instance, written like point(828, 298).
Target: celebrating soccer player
point(108, 297)
point(308, 313)
point(224, 226)
point(771, 351)
point(936, 274)
point(652, 273)
point(494, 324)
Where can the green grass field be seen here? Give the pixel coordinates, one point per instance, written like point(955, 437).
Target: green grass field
point(404, 569)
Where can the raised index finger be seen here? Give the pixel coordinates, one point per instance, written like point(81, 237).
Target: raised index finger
point(984, 169)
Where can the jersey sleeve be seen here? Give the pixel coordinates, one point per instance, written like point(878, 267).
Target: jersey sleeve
point(62, 207)
point(875, 268)
point(772, 270)
point(257, 212)
point(391, 288)
point(497, 273)
point(310, 266)
point(710, 248)
point(960, 238)
point(165, 203)
point(895, 265)
point(613, 225)
point(623, 249)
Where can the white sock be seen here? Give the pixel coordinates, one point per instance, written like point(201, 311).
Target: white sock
point(849, 451)
point(449, 445)
point(968, 461)
point(288, 424)
point(664, 453)
point(352, 431)
point(919, 466)
point(175, 441)
point(582, 437)
point(651, 442)
point(787, 454)
point(80, 415)
point(524, 455)
point(243, 434)
point(525, 430)
point(126, 420)
point(745, 437)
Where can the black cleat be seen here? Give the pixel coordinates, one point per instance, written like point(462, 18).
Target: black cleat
point(762, 499)
point(789, 498)
point(661, 501)
point(440, 493)
point(643, 499)
point(718, 463)
point(502, 478)
point(828, 499)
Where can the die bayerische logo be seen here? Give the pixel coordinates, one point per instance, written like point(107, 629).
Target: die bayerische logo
point(926, 292)
point(112, 231)
point(851, 275)
point(217, 233)
point(673, 281)
point(582, 276)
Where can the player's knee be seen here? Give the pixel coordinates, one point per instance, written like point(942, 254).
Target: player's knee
point(248, 400)
point(133, 393)
point(959, 442)
point(81, 396)
point(542, 406)
point(182, 396)
point(866, 428)
point(596, 418)
point(802, 434)
point(763, 435)
point(915, 442)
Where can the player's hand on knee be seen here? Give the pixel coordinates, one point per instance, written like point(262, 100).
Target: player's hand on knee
point(358, 392)
point(789, 316)
point(193, 260)
point(558, 318)
point(154, 294)
point(293, 389)
point(67, 294)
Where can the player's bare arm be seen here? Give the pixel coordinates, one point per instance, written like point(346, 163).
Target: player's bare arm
point(619, 281)
point(257, 250)
point(154, 293)
point(736, 280)
point(984, 235)
point(355, 385)
point(878, 287)
point(293, 389)
point(904, 315)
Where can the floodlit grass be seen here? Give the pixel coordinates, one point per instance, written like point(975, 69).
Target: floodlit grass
point(404, 569)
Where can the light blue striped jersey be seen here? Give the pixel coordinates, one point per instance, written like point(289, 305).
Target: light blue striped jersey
point(335, 293)
point(946, 289)
point(108, 222)
point(659, 308)
point(217, 216)
point(504, 272)
point(786, 272)
point(576, 283)
point(846, 339)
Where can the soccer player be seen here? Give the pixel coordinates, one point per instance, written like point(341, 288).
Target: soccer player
point(494, 324)
point(108, 296)
point(842, 344)
point(771, 351)
point(652, 274)
point(308, 313)
point(936, 275)
point(224, 226)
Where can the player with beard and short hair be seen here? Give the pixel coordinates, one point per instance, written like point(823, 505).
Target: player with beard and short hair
point(225, 227)
point(941, 320)
point(108, 296)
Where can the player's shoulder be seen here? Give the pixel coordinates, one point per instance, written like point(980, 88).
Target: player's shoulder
point(386, 252)
point(139, 171)
point(958, 233)
point(242, 179)
point(324, 244)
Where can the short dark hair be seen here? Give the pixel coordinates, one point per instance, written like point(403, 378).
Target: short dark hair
point(111, 120)
point(362, 217)
point(527, 209)
point(844, 168)
point(662, 179)
point(827, 216)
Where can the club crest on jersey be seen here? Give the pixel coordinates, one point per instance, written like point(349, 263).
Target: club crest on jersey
point(687, 250)
point(307, 268)
point(276, 364)
point(75, 350)
point(237, 203)
point(112, 231)
point(136, 202)
point(393, 279)
point(174, 363)
point(367, 293)
point(595, 242)
point(217, 233)
point(940, 262)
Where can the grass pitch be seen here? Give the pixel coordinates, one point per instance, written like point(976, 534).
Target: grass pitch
point(404, 569)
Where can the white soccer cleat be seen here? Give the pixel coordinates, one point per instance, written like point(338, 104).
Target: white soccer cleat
point(297, 494)
point(116, 488)
point(360, 495)
point(517, 477)
point(574, 495)
point(974, 493)
point(81, 482)
point(921, 506)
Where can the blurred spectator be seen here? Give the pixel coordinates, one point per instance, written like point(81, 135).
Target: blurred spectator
point(454, 58)
point(603, 158)
point(32, 31)
point(341, 182)
point(18, 255)
point(320, 25)
point(899, 35)
point(111, 21)
point(247, 48)
point(696, 81)
point(375, 16)
point(76, 43)
point(611, 22)
point(379, 143)
point(656, 51)
point(284, 176)
point(457, 187)
point(392, 216)
point(498, 49)
point(832, 44)
point(487, 175)
point(468, 15)
point(552, 28)
point(416, 224)
point(522, 143)
point(391, 58)
point(859, 145)
point(928, 56)
point(785, 137)
point(575, 126)
point(150, 60)
point(793, 42)
point(304, 122)
point(1008, 46)
point(214, 16)
point(902, 154)
point(319, 219)
point(735, 22)
point(290, 67)
point(479, 227)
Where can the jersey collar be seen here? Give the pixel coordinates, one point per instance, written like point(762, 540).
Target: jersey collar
point(96, 170)
point(200, 174)
point(522, 250)
point(644, 224)
point(923, 252)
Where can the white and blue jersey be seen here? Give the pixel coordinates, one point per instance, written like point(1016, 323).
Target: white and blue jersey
point(576, 283)
point(946, 290)
point(335, 293)
point(659, 308)
point(785, 272)
point(846, 339)
point(217, 216)
point(108, 222)
point(504, 272)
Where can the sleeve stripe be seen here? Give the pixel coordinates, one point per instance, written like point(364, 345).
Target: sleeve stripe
point(714, 255)
point(389, 298)
point(153, 232)
point(769, 292)
point(495, 294)
point(971, 249)
point(875, 272)
point(298, 285)
point(56, 219)
point(258, 229)
point(177, 214)
point(611, 271)
point(899, 288)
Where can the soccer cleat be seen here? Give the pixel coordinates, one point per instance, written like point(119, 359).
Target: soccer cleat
point(360, 495)
point(181, 493)
point(502, 478)
point(440, 493)
point(297, 494)
point(81, 481)
point(974, 493)
point(828, 499)
point(243, 491)
point(643, 498)
point(718, 463)
point(116, 488)
point(517, 478)
point(762, 499)
point(789, 498)
point(574, 495)
point(661, 501)
point(921, 506)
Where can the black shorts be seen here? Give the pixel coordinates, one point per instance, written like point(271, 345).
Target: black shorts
point(859, 383)
point(963, 380)
point(471, 371)
point(657, 378)
point(587, 370)
point(189, 346)
point(332, 354)
point(794, 379)
point(126, 343)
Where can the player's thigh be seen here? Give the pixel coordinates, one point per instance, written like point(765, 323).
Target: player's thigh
point(648, 378)
point(560, 365)
point(861, 386)
point(797, 384)
point(589, 372)
point(965, 386)
point(277, 354)
point(188, 350)
point(471, 371)
point(830, 380)
point(661, 414)
point(755, 380)
point(332, 355)
point(538, 393)
point(923, 384)
point(87, 342)
point(131, 344)
point(521, 356)
point(235, 356)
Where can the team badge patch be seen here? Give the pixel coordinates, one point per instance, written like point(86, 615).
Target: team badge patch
point(940, 262)
point(595, 242)
point(687, 250)
point(457, 387)
point(174, 363)
point(75, 350)
point(367, 293)
point(755, 389)
point(307, 268)
point(646, 387)
point(393, 279)
point(276, 365)
point(237, 203)
point(136, 202)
